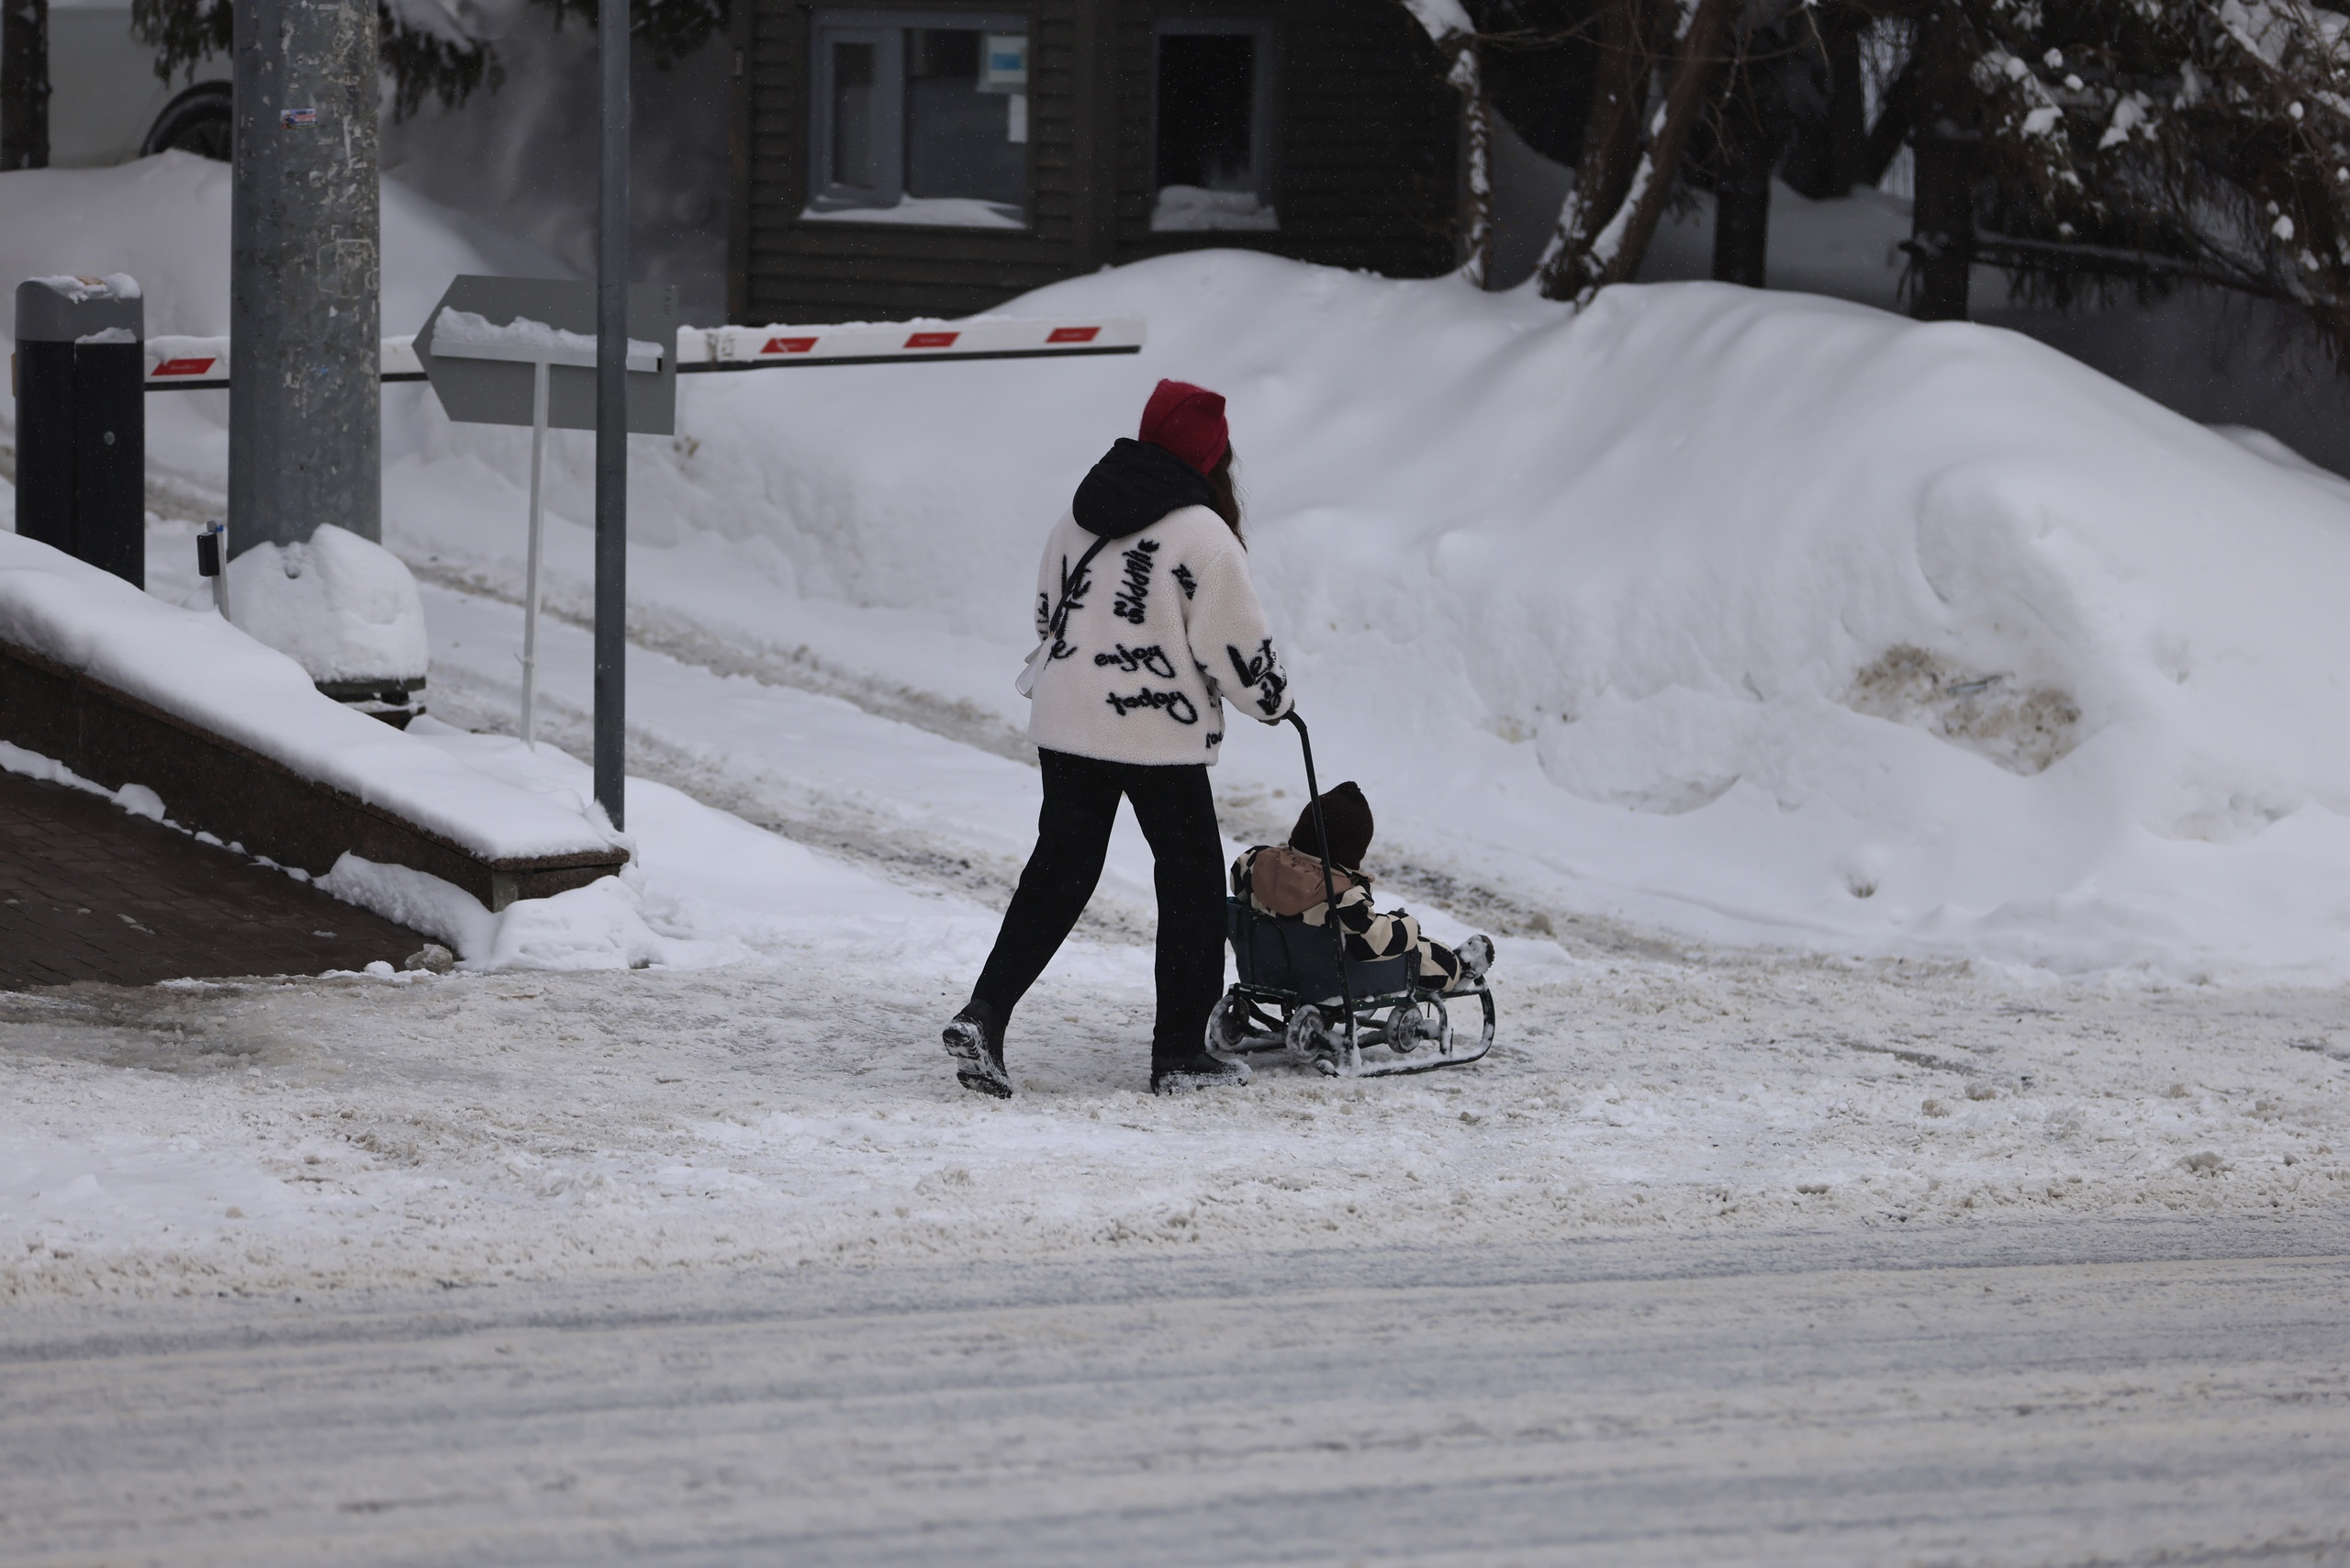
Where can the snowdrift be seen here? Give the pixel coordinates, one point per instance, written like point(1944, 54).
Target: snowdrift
point(1756, 617)
point(1760, 616)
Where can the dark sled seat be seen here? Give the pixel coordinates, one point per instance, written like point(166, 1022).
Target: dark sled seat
point(1285, 955)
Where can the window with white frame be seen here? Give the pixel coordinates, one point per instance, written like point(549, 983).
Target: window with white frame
point(918, 118)
point(1212, 124)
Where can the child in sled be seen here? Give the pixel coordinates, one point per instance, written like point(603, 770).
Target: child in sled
point(1286, 880)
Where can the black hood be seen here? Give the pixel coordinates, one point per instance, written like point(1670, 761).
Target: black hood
point(1135, 485)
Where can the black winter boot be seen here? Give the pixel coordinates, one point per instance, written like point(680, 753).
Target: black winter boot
point(1199, 1070)
point(976, 1038)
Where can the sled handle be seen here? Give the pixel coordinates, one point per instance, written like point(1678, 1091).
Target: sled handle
point(1329, 887)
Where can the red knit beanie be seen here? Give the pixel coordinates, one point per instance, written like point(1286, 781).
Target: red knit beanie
point(1187, 420)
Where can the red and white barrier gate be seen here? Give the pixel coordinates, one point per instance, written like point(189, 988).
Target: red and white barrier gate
point(189, 364)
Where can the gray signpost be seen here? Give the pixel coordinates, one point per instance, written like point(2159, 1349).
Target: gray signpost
point(611, 417)
point(512, 351)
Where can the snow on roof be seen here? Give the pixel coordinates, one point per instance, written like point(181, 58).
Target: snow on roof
point(196, 667)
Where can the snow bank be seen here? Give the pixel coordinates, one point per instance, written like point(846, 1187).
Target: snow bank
point(342, 607)
point(1755, 617)
point(1761, 617)
point(701, 887)
point(196, 666)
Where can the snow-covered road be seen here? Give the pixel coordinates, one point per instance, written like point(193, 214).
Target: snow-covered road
point(2126, 1392)
point(475, 1129)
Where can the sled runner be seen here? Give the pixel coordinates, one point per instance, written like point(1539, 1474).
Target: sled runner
point(1299, 994)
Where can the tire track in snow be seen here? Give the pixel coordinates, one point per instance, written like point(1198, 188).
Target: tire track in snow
point(842, 828)
point(833, 821)
point(799, 668)
point(2154, 1394)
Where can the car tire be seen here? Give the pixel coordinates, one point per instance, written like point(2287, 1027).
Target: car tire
point(201, 121)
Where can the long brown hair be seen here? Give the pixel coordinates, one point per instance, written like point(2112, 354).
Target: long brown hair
point(1227, 496)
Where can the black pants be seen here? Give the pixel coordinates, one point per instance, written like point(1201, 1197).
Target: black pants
point(1178, 816)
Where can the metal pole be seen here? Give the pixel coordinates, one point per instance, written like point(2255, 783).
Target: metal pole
point(531, 591)
point(612, 416)
point(305, 414)
point(1330, 890)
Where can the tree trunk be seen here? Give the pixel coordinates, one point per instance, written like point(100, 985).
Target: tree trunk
point(1611, 143)
point(1477, 129)
point(1624, 243)
point(1942, 235)
point(24, 84)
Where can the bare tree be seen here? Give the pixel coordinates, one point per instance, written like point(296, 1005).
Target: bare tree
point(1450, 25)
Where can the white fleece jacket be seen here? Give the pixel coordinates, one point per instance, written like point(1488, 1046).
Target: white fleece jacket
point(1164, 626)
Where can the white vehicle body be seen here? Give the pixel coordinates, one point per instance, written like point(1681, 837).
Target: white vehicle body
point(106, 102)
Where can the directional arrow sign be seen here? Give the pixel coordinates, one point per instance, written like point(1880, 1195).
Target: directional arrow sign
point(507, 325)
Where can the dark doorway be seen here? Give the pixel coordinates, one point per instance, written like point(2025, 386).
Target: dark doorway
point(1207, 93)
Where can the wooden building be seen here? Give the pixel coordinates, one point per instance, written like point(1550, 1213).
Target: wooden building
point(936, 157)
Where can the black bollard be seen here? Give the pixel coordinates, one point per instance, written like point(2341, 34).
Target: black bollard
point(82, 421)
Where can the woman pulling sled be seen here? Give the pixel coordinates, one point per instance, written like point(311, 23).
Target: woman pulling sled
point(1146, 621)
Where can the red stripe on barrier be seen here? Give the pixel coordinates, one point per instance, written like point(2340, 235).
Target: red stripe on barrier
point(933, 340)
point(1074, 334)
point(789, 346)
point(184, 367)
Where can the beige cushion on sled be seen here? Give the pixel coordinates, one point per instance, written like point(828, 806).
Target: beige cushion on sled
point(1288, 881)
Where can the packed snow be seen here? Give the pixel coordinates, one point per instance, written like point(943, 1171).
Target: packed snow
point(477, 1128)
point(342, 607)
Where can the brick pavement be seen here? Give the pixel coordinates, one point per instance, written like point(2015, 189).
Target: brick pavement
point(89, 892)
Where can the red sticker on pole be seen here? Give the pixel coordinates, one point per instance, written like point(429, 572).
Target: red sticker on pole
point(183, 367)
point(1074, 334)
point(789, 346)
point(933, 340)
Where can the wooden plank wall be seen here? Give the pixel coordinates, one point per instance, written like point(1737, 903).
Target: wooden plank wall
point(841, 272)
point(1366, 143)
point(1367, 161)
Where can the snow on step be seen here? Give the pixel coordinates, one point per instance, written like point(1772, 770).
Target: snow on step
point(196, 667)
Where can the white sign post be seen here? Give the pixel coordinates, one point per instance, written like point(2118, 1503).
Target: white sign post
point(462, 335)
point(522, 351)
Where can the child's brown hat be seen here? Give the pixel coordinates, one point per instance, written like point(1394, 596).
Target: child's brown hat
point(1348, 815)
